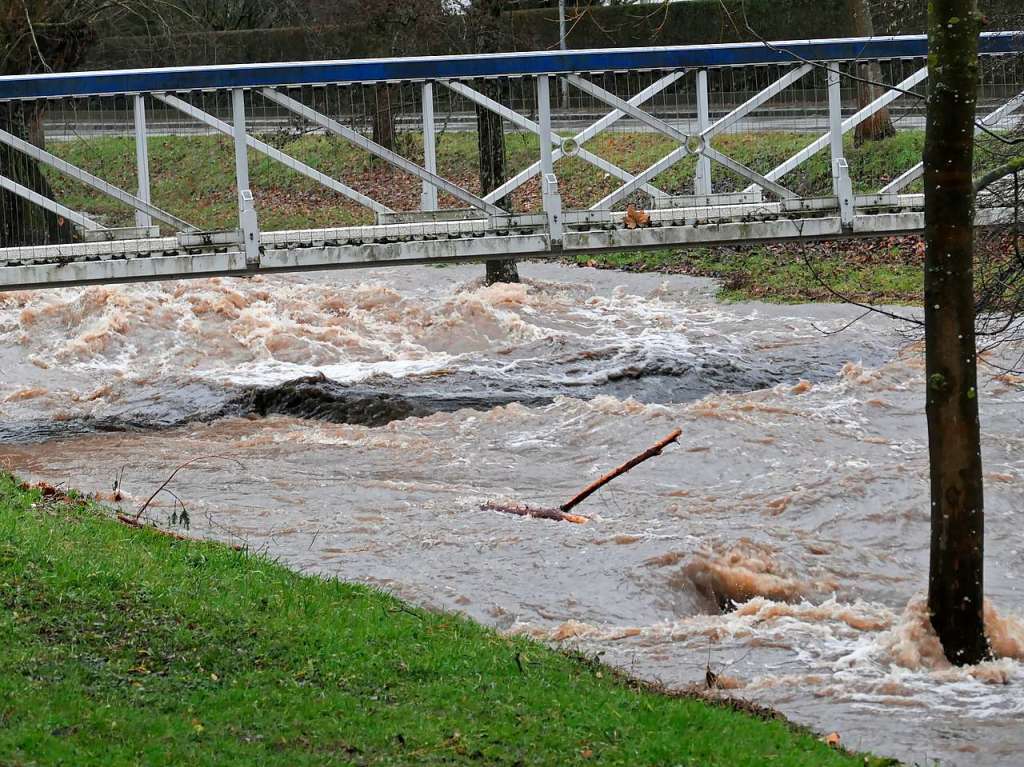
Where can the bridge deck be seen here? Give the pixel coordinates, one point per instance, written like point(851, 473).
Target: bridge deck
point(183, 257)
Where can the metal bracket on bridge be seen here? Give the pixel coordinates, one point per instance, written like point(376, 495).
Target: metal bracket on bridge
point(552, 200)
point(843, 187)
point(250, 228)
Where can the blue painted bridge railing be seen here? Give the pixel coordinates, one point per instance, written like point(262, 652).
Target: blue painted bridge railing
point(231, 170)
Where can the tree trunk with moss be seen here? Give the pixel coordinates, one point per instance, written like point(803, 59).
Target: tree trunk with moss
point(955, 584)
point(879, 125)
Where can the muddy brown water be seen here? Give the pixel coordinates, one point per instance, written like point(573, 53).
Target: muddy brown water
point(798, 490)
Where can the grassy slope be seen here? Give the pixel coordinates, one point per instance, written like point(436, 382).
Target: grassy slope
point(121, 646)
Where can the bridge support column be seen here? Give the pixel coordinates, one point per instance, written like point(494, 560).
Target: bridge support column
point(842, 187)
point(247, 220)
point(702, 178)
point(142, 219)
point(428, 198)
point(550, 197)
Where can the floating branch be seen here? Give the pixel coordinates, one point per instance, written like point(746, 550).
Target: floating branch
point(650, 452)
point(529, 511)
point(561, 513)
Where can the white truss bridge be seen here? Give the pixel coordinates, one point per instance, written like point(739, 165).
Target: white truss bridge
point(685, 95)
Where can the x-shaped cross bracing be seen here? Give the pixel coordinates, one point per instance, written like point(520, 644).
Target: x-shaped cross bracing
point(687, 145)
point(623, 107)
point(523, 122)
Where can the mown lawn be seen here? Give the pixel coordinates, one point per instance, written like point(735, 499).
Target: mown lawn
point(123, 646)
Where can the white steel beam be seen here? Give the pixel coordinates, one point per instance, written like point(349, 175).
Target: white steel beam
point(663, 127)
point(629, 187)
point(622, 105)
point(45, 202)
point(41, 155)
point(727, 121)
point(141, 157)
point(276, 154)
point(428, 196)
point(374, 148)
point(702, 174)
point(993, 118)
point(842, 187)
point(273, 260)
point(742, 170)
point(248, 223)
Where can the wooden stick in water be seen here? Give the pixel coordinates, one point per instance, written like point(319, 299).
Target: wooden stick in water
point(538, 513)
point(650, 452)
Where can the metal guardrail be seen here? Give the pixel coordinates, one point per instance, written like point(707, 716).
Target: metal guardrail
point(675, 104)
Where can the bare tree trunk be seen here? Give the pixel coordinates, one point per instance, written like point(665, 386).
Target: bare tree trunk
point(879, 125)
point(955, 587)
point(383, 116)
point(490, 133)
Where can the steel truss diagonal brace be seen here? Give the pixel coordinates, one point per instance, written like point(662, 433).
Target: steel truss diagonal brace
point(523, 122)
point(622, 105)
point(848, 124)
point(742, 170)
point(276, 154)
point(629, 187)
point(908, 177)
point(45, 202)
point(41, 155)
point(376, 149)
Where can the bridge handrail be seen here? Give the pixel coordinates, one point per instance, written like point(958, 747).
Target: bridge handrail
point(116, 82)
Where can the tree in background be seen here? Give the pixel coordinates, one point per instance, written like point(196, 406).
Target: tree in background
point(483, 34)
point(37, 36)
point(228, 15)
point(879, 125)
point(399, 25)
point(955, 583)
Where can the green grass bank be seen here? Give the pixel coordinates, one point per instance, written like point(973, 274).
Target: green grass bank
point(124, 646)
point(876, 271)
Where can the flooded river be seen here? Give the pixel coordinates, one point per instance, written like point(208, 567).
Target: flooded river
point(353, 423)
